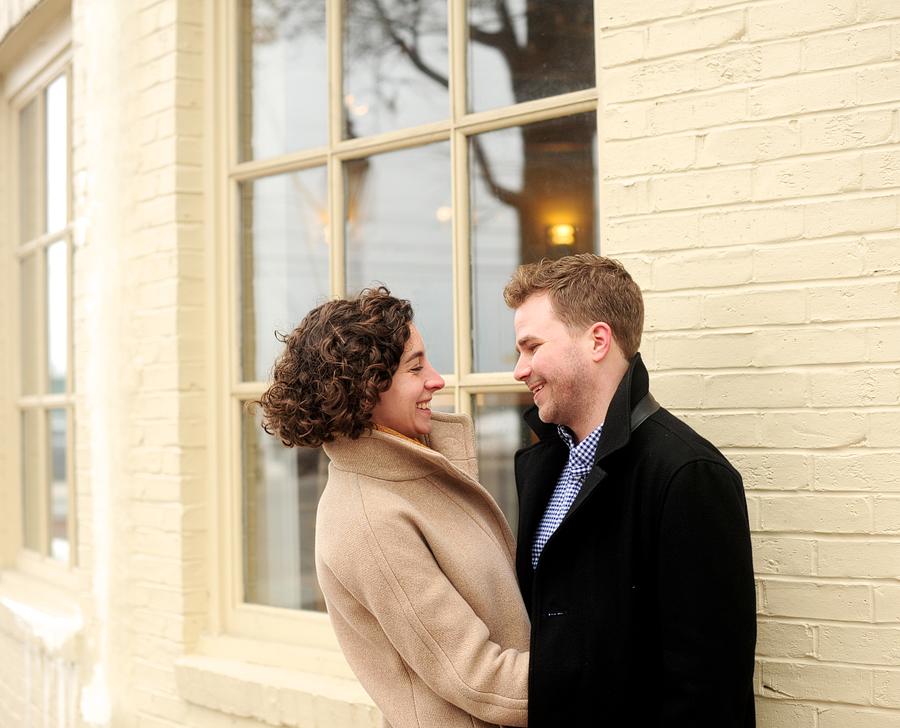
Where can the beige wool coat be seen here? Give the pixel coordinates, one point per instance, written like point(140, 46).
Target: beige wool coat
point(417, 565)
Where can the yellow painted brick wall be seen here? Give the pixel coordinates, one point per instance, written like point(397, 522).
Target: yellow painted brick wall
point(751, 180)
point(141, 296)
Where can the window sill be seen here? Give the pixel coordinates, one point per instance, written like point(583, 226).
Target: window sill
point(40, 614)
point(281, 696)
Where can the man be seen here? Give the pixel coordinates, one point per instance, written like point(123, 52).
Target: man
point(634, 545)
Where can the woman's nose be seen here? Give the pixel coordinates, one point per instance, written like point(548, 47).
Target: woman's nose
point(435, 381)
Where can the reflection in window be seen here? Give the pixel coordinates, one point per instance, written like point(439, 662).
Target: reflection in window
point(395, 183)
point(401, 237)
point(395, 65)
point(58, 428)
point(57, 316)
point(283, 52)
point(32, 511)
point(45, 311)
point(29, 323)
point(533, 196)
point(281, 490)
point(57, 153)
point(519, 51)
point(499, 433)
point(30, 181)
point(284, 260)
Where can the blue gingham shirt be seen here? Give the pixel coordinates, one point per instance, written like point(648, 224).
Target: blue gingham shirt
point(581, 460)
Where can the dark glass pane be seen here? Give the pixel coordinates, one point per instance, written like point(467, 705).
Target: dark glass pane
point(519, 51)
point(281, 489)
point(284, 261)
point(283, 77)
point(499, 433)
point(533, 196)
point(395, 65)
point(398, 234)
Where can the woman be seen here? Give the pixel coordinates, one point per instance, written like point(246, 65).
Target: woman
point(414, 557)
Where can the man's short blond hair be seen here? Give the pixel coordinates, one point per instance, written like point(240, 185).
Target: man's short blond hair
point(584, 289)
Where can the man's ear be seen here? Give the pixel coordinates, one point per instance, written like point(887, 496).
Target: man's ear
point(601, 340)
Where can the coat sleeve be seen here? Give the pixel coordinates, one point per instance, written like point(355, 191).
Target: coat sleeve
point(389, 588)
point(707, 599)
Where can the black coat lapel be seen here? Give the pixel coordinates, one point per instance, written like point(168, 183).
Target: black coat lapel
point(617, 428)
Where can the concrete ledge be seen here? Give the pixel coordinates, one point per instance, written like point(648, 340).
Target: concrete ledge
point(277, 696)
point(40, 615)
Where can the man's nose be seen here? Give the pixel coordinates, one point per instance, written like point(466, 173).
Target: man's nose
point(522, 370)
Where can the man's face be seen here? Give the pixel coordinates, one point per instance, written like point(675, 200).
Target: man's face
point(556, 367)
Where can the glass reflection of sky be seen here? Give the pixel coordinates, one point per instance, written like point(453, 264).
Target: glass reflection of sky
point(57, 157)
point(290, 91)
point(383, 89)
point(489, 82)
point(57, 316)
point(400, 234)
point(290, 257)
point(403, 239)
point(495, 251)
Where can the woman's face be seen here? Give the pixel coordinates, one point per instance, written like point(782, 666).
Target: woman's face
point(406, 406)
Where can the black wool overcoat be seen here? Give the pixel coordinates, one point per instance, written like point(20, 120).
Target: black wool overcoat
point(643, 602)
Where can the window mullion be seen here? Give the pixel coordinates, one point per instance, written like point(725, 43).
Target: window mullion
point(459, 202)
point(457, 40)
point(71, 521)
point(337, 250)
point(334, 43)
point(461, 277)
point(45, 240)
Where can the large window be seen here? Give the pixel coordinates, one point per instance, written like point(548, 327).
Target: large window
point(428, 146)
point(43, 252)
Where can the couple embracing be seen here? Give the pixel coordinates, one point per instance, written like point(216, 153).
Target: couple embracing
point(629, 597)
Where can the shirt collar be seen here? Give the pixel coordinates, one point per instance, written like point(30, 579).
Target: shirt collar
point(585, 450)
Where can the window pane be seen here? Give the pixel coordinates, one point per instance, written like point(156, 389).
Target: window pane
point(57, 316)
point(395, 65)
point(29, 173)
point(31, 479)
point(29, 322)
point(533, 196)
point(57, 155)
point(284, 260)
point(519, 51)
point(398, 234)
point(59, 485)
point(499, 432)
point(283, 84)
point(281, 491)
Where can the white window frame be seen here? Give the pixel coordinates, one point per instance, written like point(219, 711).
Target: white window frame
point(27, 68)
point(246, 623)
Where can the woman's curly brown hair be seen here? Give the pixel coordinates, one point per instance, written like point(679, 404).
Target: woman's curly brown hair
point(334, 367)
